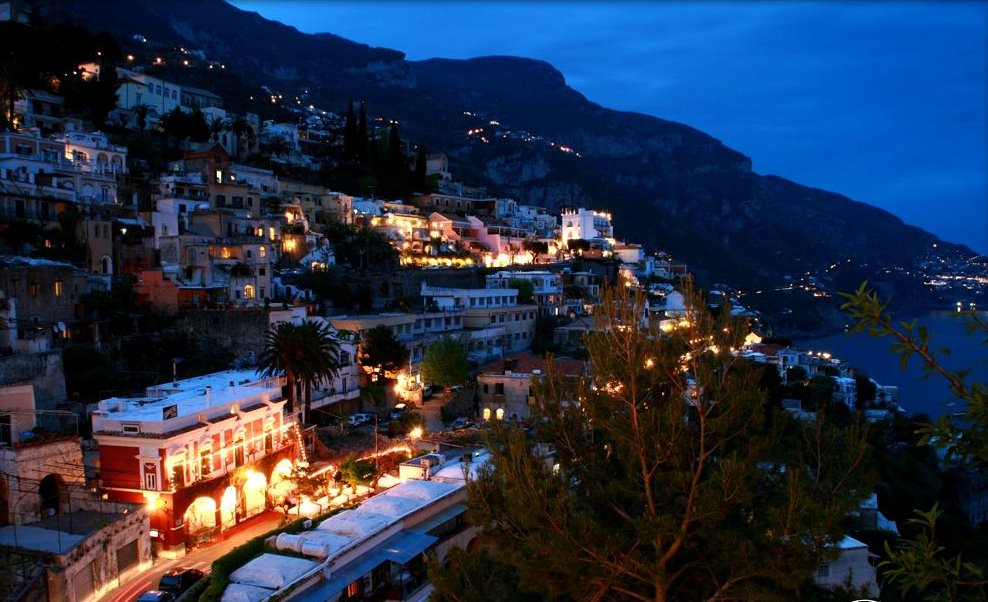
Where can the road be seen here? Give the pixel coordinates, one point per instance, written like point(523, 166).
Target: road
point(201, 559)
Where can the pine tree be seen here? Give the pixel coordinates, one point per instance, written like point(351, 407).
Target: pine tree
point(421, 182)
point(668, 477)
point(362, 135)
point(350, 133)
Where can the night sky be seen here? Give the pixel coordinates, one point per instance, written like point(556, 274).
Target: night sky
point(883, 102)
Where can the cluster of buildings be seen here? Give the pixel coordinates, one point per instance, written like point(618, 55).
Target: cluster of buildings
point(189, 459)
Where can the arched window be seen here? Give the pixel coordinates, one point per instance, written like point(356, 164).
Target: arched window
point(105, 265)
point(249, 291)
point(50, 490)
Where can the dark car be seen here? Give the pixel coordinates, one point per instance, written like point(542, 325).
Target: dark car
point(178, 580)
point(155, 596)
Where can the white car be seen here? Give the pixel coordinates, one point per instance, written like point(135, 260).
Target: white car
point(359, 419)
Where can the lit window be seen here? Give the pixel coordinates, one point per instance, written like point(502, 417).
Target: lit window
point(249, 291)
point(58, 288)
point(262, 251)
point(219, 176)
point(34, 289)
point(487, 414)
point(500, 414)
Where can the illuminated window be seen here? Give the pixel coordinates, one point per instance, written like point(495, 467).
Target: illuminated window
point(249, 291)
point(178, 476)
point(205, 460)
point(262, 251)
point(487, 414)
point(58, 288)
point(500, 414)
point(34, 289)
point(219, 176)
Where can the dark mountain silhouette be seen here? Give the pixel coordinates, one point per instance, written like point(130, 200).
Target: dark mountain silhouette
point(670, 186)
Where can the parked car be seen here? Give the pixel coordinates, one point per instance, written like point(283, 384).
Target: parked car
point(461, 423)
point(399, 411)
point(176, 581)
point(154, 595)
point(360, 419)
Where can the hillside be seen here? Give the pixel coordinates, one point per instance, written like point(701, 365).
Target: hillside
point(670, 186)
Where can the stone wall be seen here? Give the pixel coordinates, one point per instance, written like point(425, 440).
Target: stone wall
point(26, 465)
point(236, 331)
point(43, 369)
point(99, 553)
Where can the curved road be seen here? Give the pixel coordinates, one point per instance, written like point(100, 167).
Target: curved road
point(201, 559)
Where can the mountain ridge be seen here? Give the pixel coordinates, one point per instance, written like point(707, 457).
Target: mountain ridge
point(670, 186)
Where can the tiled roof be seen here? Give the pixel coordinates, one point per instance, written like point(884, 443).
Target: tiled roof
point(524, 362)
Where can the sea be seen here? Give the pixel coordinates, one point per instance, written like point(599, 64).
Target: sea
point(917, 393)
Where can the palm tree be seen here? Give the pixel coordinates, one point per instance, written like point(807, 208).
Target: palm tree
point(323, 355)
point(217, 125)
point(305, 354)
point(244, 132)
point(141, 113)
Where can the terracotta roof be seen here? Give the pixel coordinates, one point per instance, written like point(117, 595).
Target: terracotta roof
point(524, 362)
point(770, 350)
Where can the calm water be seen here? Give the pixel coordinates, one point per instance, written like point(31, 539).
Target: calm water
point(916, 394)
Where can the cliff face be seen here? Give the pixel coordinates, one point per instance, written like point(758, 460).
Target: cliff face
point(670, 186)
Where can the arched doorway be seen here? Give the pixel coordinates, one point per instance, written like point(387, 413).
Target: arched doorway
point(280, 486)
point(51, 490)
point(200, 520)
point(255, 488)
point(228, 508)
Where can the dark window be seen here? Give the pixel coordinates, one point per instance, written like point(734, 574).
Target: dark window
point(499, 388)
point(5, 436)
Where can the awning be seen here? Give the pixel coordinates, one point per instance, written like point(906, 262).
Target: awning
point(399, 548)
point(446, 515)
point(404, 546)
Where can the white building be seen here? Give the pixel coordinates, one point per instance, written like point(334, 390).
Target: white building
point(584, 224)
point(851, 565)
point(486, 308)
point(137, 88)
point(547, 288)
point(93, 153)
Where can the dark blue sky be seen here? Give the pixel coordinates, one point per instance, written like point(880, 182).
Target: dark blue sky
point(883, 102)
